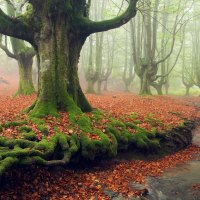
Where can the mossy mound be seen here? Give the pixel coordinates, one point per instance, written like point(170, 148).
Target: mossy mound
point(92, 143)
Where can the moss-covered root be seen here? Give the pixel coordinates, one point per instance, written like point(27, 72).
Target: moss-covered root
point(105, 146)
point(6, 163)
point(57, 151)
point(42, 108)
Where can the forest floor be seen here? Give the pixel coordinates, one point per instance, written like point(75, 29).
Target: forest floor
point(162, 112)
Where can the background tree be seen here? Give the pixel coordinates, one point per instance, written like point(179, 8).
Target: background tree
point(147, 58)
point(129, 73)
point(22, 53)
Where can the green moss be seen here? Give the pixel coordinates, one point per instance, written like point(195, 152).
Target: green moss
point(154, 131)
point(25, 129)
point(47, 147)
point(43, 129)
point(32, 160)
point(1, 128)
point(29, 136)
point(137, 121)
point(91, 149)
point(145, 141)
point(133, 115)
point(10, 124)
point(6, 163)
point(153, 121)
point(41, 109)
point(97, 115)
point(37, 121)
point(56, 129)
point(84, 123)
point(182, 125)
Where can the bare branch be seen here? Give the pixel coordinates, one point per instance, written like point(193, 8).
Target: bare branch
point(6, 50)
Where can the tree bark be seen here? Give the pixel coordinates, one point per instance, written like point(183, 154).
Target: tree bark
point(25, 76)
point(90, 87)
point(187, 93)
point(59, 83)
point(145, 83)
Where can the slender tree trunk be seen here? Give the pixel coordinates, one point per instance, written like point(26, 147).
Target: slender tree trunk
point(159, 89)
point(25, 76)
point(99, 83)
point(145, 83)
point(126, 87)
point(91, 74)
point(90, 87)
point(106, 86)
point(187, 93)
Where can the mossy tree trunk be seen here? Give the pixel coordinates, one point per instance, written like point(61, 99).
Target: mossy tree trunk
point(24, 57)
point(59, 83)
point(58, 30)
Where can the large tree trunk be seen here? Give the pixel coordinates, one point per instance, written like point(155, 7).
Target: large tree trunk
point(25, 75)
point(59, 88)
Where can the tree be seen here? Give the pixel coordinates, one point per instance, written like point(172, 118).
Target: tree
point(24, 56)
point(57, 29)
point(128, 73)
point(146, 56)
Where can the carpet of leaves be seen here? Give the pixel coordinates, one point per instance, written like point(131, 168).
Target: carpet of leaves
point(42, 183)
point(166, 112)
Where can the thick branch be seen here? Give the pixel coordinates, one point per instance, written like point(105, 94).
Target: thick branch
point(15, 28)
point(89, 26)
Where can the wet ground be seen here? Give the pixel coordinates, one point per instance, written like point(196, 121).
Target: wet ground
point(176, 183)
